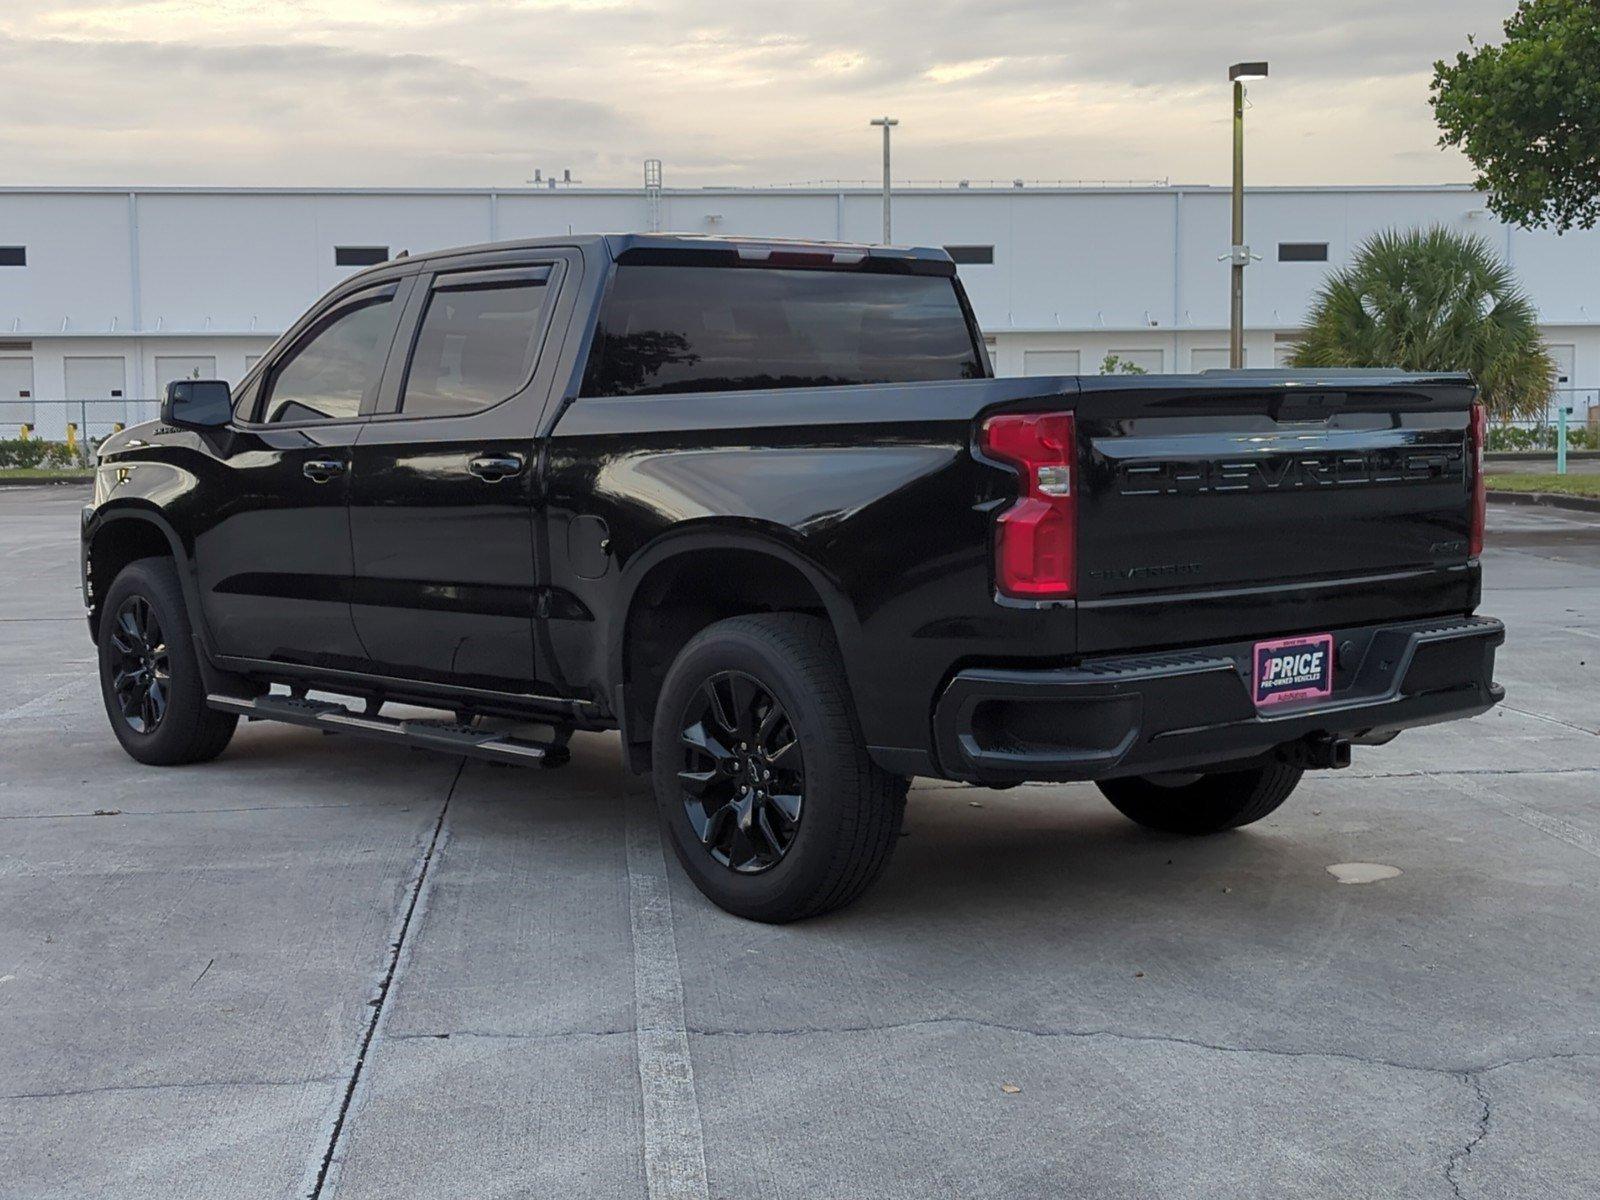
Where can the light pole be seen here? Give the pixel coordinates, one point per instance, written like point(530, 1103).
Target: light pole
point(888, 123)
point(1238, 252)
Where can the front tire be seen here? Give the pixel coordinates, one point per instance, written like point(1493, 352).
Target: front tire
point(1208, 804)
point(150, 676)
point(761, 775)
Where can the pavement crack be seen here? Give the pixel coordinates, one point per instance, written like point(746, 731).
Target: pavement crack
point(1480, 772)
point(176, 1084)
point(1149, 1039)
point(173, 812)
point(507, 1035)
point(336, 1134)
point(1458, 1157)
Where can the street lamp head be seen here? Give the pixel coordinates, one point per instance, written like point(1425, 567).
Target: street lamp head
point(1243, 72)
point(885, 121)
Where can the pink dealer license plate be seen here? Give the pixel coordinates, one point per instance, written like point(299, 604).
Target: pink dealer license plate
point(1298, 668)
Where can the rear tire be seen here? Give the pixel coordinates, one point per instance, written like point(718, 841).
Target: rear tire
point(761, 775)
point(150, 676)
point(1209, 804)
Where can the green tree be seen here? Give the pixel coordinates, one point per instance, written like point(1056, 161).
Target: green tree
point(1432, 300)
point(1114, 364)
point(1527, 114)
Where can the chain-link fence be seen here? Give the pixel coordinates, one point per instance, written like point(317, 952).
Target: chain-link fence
point(62, 433)
point(1571, 422)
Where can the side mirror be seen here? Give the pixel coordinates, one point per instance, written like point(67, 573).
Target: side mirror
point(197, 403)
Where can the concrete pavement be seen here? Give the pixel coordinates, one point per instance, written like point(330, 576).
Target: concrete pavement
point(321, 967)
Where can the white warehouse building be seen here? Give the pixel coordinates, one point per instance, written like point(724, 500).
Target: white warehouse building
point(108, 293)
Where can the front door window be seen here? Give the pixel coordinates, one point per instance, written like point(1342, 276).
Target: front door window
point(327, 375)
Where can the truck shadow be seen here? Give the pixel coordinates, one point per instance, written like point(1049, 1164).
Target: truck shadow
point(1033, 856)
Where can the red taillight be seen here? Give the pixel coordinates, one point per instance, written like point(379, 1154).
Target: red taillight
point(1477, 439)
point(1036, 539)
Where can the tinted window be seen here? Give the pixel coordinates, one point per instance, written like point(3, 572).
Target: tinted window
point(691, 329)
point(13, 256)
point(359, 256)
point(474, 348)
point(326, 376)
point(1302, 251)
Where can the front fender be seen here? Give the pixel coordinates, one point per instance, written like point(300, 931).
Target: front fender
point(104, 520)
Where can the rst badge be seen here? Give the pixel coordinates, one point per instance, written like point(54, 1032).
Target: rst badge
point(1299, 668)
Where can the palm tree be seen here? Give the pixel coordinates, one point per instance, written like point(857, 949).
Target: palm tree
point(1433, 300)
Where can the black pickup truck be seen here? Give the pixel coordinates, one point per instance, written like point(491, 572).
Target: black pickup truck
point(763, 507)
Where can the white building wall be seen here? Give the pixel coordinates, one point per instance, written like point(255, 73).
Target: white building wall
point(174, 273)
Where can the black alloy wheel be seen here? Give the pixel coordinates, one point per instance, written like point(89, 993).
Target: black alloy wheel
point(151, 679)
point(742, 773)
point(141, 665)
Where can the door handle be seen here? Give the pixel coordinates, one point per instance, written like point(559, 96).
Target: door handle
point(320, 470)
point(492, 468)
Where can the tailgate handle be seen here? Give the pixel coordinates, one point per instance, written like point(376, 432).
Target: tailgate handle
point(1309, 405)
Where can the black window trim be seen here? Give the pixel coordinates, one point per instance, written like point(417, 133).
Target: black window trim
point(388, 290)
point(1297, 246)
point(957, 250)
point(547, 272)
point(364, 251)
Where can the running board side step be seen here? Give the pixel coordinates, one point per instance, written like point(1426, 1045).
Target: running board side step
point(446, 736)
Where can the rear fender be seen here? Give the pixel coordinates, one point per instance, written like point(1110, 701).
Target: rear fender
point(771, 541)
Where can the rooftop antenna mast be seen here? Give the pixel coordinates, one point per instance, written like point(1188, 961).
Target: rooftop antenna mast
point(652, 194)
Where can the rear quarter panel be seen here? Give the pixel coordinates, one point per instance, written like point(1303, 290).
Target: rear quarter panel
point(873, 491)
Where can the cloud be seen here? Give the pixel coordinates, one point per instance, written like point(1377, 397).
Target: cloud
point(477, 92)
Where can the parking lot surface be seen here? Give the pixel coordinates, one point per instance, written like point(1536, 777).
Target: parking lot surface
point(323, 967)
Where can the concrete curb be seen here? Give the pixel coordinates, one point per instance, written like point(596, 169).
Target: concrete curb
point(69, 482)
point(1548, 500)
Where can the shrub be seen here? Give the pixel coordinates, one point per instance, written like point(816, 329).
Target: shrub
point(1537, 437)
point(36, 452)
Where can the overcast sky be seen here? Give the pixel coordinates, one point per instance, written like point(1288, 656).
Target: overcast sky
point(479, 92)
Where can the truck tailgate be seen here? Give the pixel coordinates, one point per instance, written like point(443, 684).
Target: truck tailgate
point(1235, 505)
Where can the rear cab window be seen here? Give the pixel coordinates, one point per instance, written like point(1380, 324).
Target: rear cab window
point(666, 327)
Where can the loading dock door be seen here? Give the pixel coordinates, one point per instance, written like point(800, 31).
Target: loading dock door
point(16, 394)
point(99, 384)
point(1051, 362)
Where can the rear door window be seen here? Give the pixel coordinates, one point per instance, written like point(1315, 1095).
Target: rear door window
point(671, 328)
point(476, 342)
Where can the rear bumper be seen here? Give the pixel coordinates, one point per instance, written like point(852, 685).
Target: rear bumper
point(1134, 715)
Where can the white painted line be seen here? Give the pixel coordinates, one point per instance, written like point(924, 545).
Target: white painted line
point(674, 1151)
point(52, 703)
point(1563, 831)
point(1538, 716)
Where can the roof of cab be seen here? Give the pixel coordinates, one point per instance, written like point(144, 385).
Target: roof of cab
point(616, 244)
